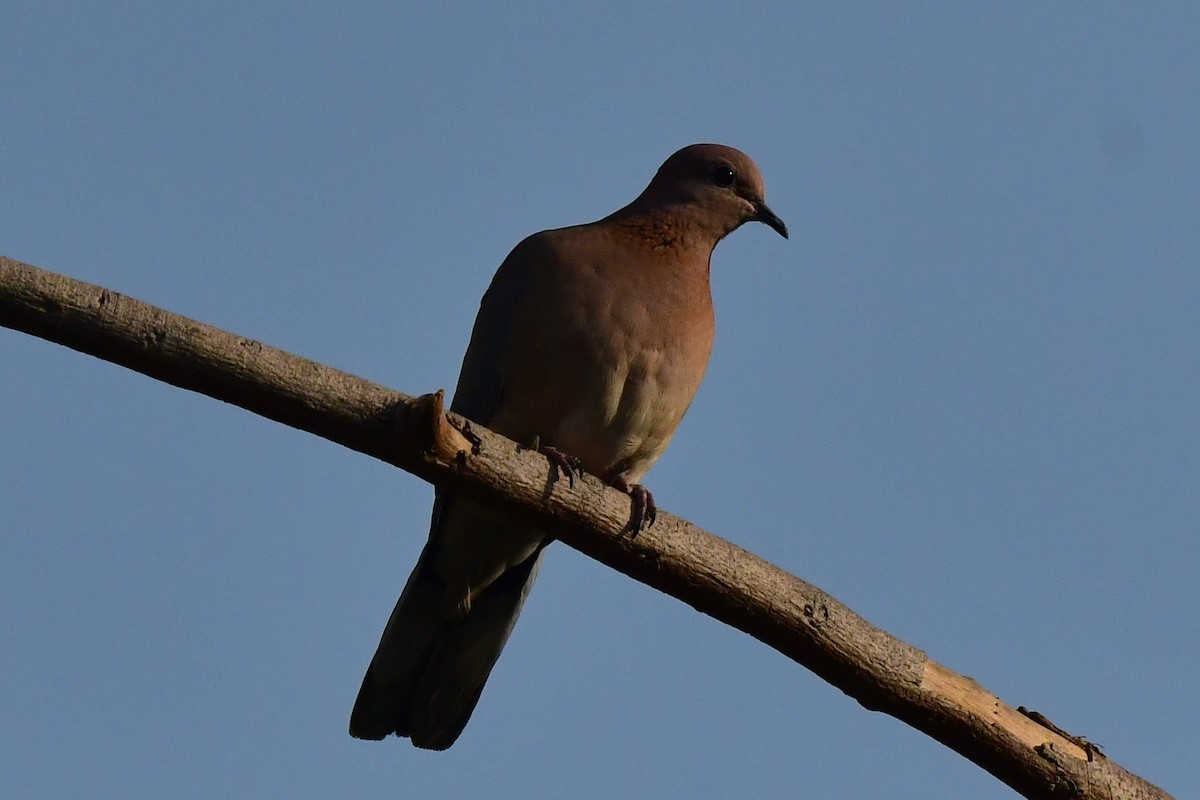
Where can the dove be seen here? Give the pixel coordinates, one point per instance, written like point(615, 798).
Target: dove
point(590, 341)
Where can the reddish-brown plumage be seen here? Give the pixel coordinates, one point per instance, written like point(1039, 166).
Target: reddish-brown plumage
point(593, 338)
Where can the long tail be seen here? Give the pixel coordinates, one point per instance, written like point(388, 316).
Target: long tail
point(428, 671)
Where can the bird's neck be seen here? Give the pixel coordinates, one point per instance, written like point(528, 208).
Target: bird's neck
point(666, 230)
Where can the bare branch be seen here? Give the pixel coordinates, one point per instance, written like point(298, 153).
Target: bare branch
point(1022, 748)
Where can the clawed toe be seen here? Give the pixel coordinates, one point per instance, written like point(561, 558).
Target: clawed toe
point(642, 509)
point(566, 464)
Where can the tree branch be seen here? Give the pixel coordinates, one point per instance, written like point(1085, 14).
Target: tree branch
point(1021, 748)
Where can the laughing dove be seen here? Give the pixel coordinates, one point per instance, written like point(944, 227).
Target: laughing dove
point(592, 340)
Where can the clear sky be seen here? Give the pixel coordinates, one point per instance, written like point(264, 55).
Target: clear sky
point(964, 398)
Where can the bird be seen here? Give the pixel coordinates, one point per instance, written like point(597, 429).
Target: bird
point(590, 342)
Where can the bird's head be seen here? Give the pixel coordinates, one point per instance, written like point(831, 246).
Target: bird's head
point(716, 187)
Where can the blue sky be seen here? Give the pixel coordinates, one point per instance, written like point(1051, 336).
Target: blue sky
point(962, 398)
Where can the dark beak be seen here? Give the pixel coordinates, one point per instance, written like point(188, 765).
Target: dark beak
point(767, 217)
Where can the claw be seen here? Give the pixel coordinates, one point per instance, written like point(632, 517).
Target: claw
point(642, 509)
point(566, 464)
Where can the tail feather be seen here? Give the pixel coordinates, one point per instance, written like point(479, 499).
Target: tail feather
point(429, 671)
point(463, 656)
point(384, 702)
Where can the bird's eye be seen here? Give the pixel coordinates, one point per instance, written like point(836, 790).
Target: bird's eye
point(722, 175)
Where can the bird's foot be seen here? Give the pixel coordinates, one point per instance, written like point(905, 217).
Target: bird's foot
point(565, 463)
point(642, 510)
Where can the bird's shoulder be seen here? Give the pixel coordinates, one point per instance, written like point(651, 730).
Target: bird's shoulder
point(562, 248)
point(527, 284)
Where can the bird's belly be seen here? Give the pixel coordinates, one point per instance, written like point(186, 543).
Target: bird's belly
point(622, 426)
point(607, 382)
